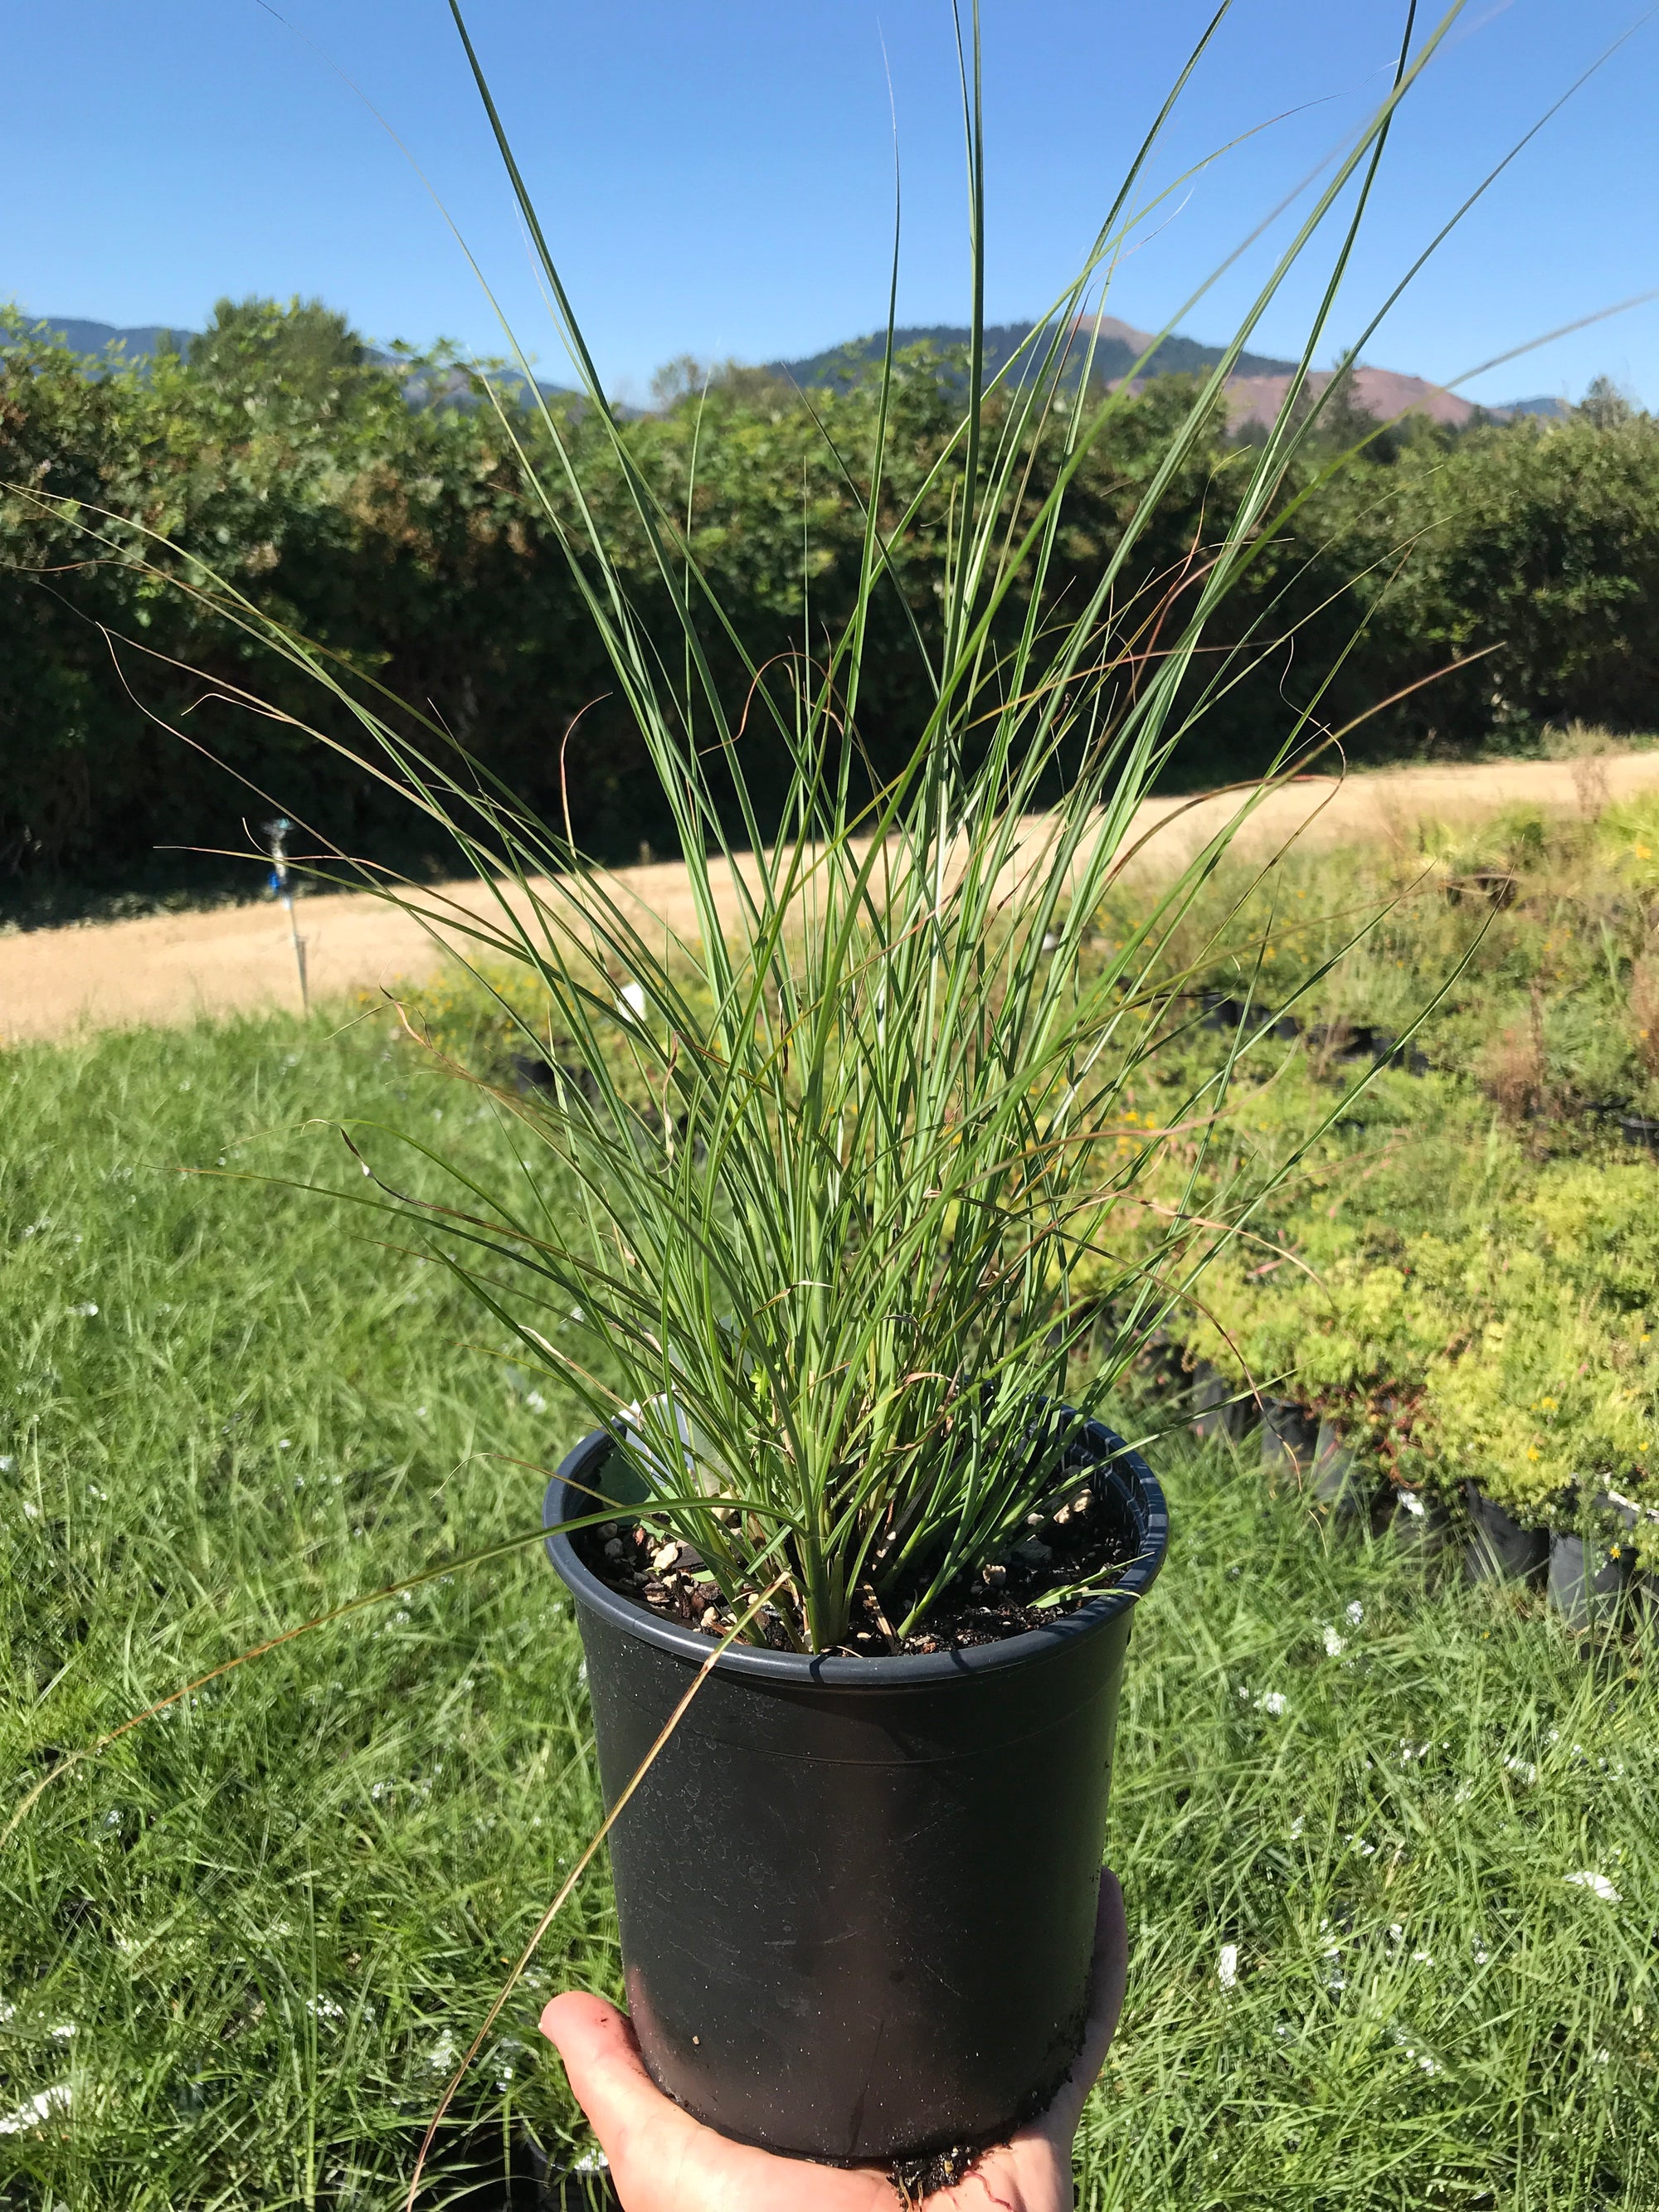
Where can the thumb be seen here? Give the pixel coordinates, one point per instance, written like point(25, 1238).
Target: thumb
point(601, 2055)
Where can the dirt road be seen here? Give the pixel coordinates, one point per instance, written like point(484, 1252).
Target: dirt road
point(175, 967)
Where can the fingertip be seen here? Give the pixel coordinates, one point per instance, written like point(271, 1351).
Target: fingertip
point(577, 2020)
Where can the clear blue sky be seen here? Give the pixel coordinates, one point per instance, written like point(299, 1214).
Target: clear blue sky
point(716, 174)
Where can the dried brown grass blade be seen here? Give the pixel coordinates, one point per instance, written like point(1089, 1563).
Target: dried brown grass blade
point(574, 1876)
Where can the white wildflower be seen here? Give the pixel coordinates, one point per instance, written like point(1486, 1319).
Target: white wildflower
point(36, 2109)
point(1227, 1970)
point(1336, 1645)
point(86, 1311)
point(1597, 1884)
point(1523, 1767)
point(535, 1401)
point(1356, 1612)
point(1273, 1702)
point(1413, 1503)
point(442, 2056)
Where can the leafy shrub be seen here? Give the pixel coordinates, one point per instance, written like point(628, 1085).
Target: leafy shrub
point(403, 540)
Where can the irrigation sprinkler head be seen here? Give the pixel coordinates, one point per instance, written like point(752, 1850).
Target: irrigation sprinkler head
point(277, 835)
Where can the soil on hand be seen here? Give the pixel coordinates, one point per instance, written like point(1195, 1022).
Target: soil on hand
point(1082, 1542)
point(921, 2178)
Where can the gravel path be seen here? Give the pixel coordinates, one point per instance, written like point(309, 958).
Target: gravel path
point(175, 967)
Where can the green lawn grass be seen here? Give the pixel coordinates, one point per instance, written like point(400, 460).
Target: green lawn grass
point(270, 1916)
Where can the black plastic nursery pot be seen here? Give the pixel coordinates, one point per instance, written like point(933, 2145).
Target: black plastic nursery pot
point(1337, 1484)
point(1422, 1526)
point(857, 1896)
point(1289, 1437)
point(1499, 1549)
point(1218, 1408)
point(1587, 1580)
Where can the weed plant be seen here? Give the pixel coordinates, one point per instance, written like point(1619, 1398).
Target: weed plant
point(273, 1919)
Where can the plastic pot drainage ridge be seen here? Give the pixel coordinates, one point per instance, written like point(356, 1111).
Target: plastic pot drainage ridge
point(857, 1896)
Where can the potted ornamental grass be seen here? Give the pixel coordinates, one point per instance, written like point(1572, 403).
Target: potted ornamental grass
point(854, 1555)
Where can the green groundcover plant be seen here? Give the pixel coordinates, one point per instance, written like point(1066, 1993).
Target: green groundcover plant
point(1463, 1273)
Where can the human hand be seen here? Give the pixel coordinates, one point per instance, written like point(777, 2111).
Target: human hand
point(663, 2161)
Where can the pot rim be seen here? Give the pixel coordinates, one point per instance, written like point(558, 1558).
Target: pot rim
point(919, 1670)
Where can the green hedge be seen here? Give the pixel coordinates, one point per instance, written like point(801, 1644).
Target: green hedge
point(403, 541)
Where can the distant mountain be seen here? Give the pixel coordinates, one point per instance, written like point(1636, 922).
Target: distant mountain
point(1255, 389)
point(139, 341)
point(423, 388)
point(452, 387)
point(1383, 392)
point(1118, 347)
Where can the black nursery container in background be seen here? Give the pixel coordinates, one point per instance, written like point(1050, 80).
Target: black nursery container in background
point(1499, 1549)
point(857, 1896)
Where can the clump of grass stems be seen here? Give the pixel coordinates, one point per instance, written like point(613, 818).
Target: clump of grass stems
point(832, 1263)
